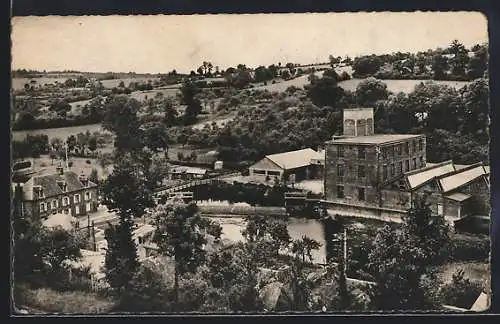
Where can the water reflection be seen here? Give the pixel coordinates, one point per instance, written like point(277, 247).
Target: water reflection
point(297, 227)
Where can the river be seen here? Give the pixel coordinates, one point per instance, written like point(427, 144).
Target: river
point(297, 227)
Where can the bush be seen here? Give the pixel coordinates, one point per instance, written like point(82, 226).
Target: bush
point(88, 162)
point(70, 164)
point(470, 248)
point(461, 292)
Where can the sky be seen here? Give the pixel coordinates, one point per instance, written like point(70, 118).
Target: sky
point(159, 44)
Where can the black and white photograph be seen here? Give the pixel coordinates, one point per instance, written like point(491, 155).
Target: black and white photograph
point(325, 163)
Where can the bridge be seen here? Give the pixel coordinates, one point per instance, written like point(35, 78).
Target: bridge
point(168, 190)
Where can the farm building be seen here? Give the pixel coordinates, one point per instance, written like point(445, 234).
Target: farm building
point(381, 175)
point(289, 166)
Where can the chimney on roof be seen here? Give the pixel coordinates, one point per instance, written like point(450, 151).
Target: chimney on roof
point(358, 122)
point(83, 179)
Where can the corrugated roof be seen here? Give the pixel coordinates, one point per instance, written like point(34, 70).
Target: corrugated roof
point(190, 170)
point(294, 159)
point(459, 179)
point(458, 196)
point(51, 188)
point(417, 178)
point(374, 139)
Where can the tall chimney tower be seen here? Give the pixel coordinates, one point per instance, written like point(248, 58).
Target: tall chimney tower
point(358, 122)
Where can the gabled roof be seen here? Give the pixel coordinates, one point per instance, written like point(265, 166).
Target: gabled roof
point(294, 159)
point(462, 177)
point(51, 188)
point(418, 177)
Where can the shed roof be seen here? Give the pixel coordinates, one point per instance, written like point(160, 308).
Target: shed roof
point(374, 139)
point(461, 178)
point(418, 177)
point(458, 196)
point(294, 159)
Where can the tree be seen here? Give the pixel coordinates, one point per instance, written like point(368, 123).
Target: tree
point(460, 58)
point(371, 90)
point(189, 92)
point(478, 64)
point(324, 91)
point(156, 137)
point(127, 193)
point(439, 66)
point(400, 260)
point(179, 234)
point(58, 246)
point(461, 292)
point(120, 117)
point(366, 65)
point(475, 120)
point(94, 177)
point(92, 144)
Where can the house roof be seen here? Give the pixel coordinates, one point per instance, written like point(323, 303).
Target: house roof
point(294, 159)
point(50, 187)
point(418, 177)
point(458, 196)
point(374, 139)
point(461, 178)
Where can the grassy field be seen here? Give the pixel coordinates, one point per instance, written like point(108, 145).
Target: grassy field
point(149, 94)
point(51, 301)
point(61, 132)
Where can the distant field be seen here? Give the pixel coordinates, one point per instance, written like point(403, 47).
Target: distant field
point(18, 83)
point(142, 95)
point(115, 82)
point(62, 132)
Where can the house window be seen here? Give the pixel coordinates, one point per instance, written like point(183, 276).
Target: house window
point(407, 148)
point(340, 192)
point(88, 195)
point(273, 173)
point(259, 172)
point(43, 207)
point(54, 203)
point(361, 171)
point(422, 163)
point(400, 167)
point(384, 171)
point(414, 163)
point(340, 151)
point(361, 193)
point(65, 201)
point(361, 152)
point(407, 165)
point(393, 170)
point(340, 172)
point(76, 198)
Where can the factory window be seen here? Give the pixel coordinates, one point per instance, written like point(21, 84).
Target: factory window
point(420, 144)
point(399, 149)
point(400, 167)
point(361, 171)
point(361, 152)
point(422, 162)
point(393, 170)
point(384, 172)
point(407, 148)
point(361, 193)
point(340, 172)
point(340, 151)
point(414, 146)
point(340, 192)
point(414, 163)
point(384, 153)
point(407, 165)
